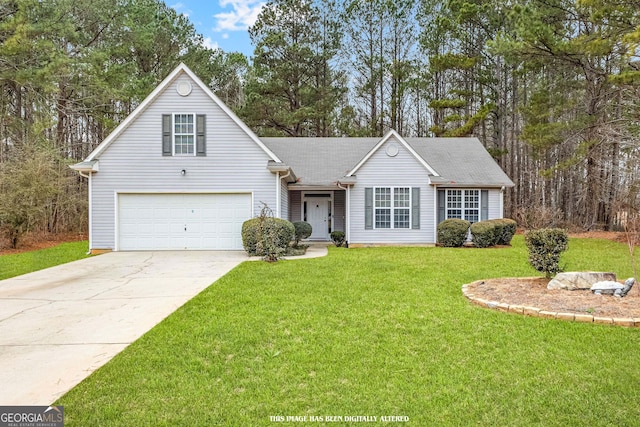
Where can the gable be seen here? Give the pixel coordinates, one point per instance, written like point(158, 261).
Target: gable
point(182, 90)
point(392, 139)
point(392, 164)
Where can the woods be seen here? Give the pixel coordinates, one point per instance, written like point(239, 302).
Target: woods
point(551, 88)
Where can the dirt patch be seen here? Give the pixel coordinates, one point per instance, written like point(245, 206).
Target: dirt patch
point(35, 242)
point(533, 292)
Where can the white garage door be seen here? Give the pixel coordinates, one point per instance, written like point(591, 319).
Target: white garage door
point(182, 221)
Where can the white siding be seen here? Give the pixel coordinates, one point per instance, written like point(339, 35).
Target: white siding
point(495, 204)
point(134, 162)
point(284, 199)
point(403, 170)
point(295, 208)
point(339, 198)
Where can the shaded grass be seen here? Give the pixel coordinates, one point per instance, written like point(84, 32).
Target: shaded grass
point(16, 264)
point(372, 332)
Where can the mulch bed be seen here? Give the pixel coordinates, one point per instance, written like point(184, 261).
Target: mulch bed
point(533, 292)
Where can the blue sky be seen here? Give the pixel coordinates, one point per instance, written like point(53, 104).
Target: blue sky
point(223, 23)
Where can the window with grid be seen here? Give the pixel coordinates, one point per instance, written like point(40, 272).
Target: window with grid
point(383, 207)
point(183, 134)
point(472, 205)
point(402, 207)
point(463, 204)
point(392, 207)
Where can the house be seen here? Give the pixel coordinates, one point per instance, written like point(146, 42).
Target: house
point(184, 172)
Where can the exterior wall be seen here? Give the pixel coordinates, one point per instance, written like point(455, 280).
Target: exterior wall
point(403, 170)
point(496, 209)
point(339, 210)
point(134, 162)
point(295, 205)
point(284, 199)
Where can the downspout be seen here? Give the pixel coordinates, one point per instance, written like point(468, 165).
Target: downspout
point(278, 194)
point(279, 191)
point(90, 219)
point(502, 201)
point(347, 222)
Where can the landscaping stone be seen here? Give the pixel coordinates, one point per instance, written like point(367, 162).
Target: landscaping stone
point(587, 318)
point(605, 320)
point(547, 314)
point(579, 280)
point(565, 316)
point(623, 321)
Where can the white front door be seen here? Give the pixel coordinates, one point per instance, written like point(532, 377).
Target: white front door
point(318, 218)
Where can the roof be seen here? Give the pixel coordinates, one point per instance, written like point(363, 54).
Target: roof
point(179, 70)
point(324, 161)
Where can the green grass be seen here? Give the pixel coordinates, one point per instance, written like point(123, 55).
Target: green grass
point(372, 332)
point(22, 263)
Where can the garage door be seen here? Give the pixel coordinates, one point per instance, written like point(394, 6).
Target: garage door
point(182, 221)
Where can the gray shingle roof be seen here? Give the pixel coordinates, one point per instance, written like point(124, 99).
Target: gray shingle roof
point(323, 161)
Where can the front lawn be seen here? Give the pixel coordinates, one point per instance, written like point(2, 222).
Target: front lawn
point(371, 332)
point(16, 264)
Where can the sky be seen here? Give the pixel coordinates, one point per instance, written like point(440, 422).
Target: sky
point(222, 23)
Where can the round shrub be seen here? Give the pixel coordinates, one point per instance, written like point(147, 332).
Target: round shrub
point(484, 234)
point(505, 230)
point(453, 232)
point(267, 236)
point(250, 235)
point(303, 230)
point(338, 238)
point(545, 247)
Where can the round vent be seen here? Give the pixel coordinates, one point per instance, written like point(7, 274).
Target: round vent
point(392, 150)
point(183, 88)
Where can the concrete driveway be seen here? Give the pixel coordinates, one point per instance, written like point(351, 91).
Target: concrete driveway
point(60, 324)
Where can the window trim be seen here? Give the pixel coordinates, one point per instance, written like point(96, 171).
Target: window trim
point(194, 134)
point(393, 208)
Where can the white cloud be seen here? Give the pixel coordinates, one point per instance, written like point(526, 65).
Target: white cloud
point(181, 8)
point(210, 44)
point(244, 14)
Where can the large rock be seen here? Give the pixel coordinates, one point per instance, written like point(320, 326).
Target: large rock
point(579, 280)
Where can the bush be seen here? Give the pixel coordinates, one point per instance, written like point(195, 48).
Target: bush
point(545, 247)
point(338, 238)
point(302, 231)
point(484, 234)
point(453, 232)
point(505, 230)
point(267, 236)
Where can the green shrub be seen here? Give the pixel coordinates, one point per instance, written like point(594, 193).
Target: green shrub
point(505, 230)
point(484, 234)
point(338, 238)
point(303, 230)
point(453, 232)
point(545, 247)
point(267, 236)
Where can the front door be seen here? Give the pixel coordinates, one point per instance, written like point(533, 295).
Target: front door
point(318, 217)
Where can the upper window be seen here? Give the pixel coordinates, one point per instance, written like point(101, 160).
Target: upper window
point(392, 207)
point(183, 134)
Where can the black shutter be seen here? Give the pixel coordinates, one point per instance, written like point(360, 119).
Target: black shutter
point(442, 205)
point(166, 135)
point(415, 208)
point(201, 144)
point(484, 205)
point(368, 208)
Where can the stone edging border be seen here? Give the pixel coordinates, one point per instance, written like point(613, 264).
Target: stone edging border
point(536, 312)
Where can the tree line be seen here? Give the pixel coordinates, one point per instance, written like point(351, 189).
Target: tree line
point(551, 87)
